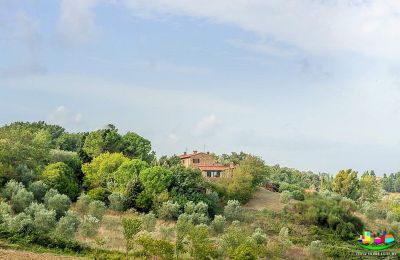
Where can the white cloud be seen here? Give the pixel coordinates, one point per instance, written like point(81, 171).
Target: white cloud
point(77, 23)
point(62, 115)
point(207, 125)
point(366, 27)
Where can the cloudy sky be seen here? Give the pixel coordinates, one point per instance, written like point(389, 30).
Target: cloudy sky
point(311, 84)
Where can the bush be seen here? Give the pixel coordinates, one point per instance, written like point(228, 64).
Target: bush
point(61, 177)
point(233, 210)
point(259, 236)
point(156, 248)
point(348, 204)
point(218, 224)
point(21, 224)
point(149, 221)
point(44, 221)
point(117, 201)
point(197, 212)
point(89, 226)
point(100, 194)
point(67, 226)
point(97, 209)
point(82, 204)
point(33, 208)
point(169, 210)
point(11, 188)
point(285, 196)
point(131, 227)
point(283, 237)
point(60, 203)
point(39, 189)
point(21, 200)
point(315, 249)
point(298, 195)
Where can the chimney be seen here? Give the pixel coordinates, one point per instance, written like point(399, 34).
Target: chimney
point(184, 153)
point(194, 151)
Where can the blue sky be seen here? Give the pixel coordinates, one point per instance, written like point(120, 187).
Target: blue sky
point(307, 84)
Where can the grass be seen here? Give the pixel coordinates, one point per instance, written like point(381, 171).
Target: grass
point(265, 199)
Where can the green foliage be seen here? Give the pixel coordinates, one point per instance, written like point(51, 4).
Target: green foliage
point(135, 146)
point(373, 211)
point(255, 166)
point(240, 186)
point(131, 226)
point(97, 209)
point(133, 189)
point(259, 236)
point(39, 189)
point(370, 189)
point(149, 222)
point(25, 175)
point(169, 210)
point(298, 195)
point(315, 249)
point(346, 184)
point(100, 171)
point(100, 194)
point(218, 224)
point(285, 196)
point(89, 226)
point(127, 171)
point(60, 203)
point(233, 210)
point(155, 179)
point(201, 246)
point(11, 188)
point(69, 141)
point(21, 200)
point(82, 204)
point(156, 247)
point(61, 177)
point(67, 226)
point(117, 201)
point(44, 221)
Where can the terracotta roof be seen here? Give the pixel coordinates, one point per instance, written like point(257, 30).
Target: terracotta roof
point(212, 167)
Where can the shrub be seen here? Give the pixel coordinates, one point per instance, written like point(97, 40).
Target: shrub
point(167, 232)
point(21, 224)
point(61, 177)
point(218, 224)
point(60, 203)
point(131, 227)
point(197, 212)
point(89, 226)
point(44, 220)
point(372, 211)
point(5, 212)
point(11, 188)
point(285, 196)
point(21, 200)
point(49, 194)
point(392, 217)
point(82, 204)
point(233, 210)
point(169, 210)
point(25, 175)
point(284, 237)
point(315, 249)
point(97, 209)
point(156, 247)
point(149, 221)
point(117, 201)
point(259, 236)
point(33, 208)
point(201, 246)
point(348, 204)
point(298, 195)
point(100, 194)
point(39, 189)
point(67, 226)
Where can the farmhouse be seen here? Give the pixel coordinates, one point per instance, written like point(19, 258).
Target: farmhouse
point(206, 163)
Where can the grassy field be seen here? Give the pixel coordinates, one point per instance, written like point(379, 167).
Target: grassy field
point(23, 255)
point(265, 199)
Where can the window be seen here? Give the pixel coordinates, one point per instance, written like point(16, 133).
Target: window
point(213, 174)
point(196, 160)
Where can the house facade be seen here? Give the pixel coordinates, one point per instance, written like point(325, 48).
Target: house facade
point(206, 163)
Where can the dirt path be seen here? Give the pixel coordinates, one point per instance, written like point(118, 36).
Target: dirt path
point(24, 255)
point(265, 199)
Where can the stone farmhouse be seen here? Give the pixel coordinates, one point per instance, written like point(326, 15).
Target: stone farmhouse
point(206, 163)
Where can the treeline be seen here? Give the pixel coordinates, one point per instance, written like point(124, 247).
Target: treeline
point(391, 183)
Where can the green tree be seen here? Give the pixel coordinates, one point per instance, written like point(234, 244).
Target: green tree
point(135, 146)
point(255, 166)
point(39, 189)
point(131, 226)
point(201, 246)
point(370, 188)
point(346, 184)
point(61, 177)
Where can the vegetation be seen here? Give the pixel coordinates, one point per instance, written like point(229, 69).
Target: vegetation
point(66, 191)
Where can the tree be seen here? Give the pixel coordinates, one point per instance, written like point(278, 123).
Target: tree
point(60, 203)
point(201, 246)
point(218, 224)
point(97, 209)
point(39, 189)
point(117, 201)
point(101, 141)
point(255, 166)
point(155, 179)
point(101, 171)
point(131, 227)
point(370, 188)
point(169, 210)
point(346, 184)
point(67, 226)
point(21, 199)
point(128, 170)
point(233, 210)
point(240, 186)
point(135, 146)
point(61, 177)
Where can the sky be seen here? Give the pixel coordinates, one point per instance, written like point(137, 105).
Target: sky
point(313, 84)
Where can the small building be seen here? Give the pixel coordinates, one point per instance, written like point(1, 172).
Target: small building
point(206, 163)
